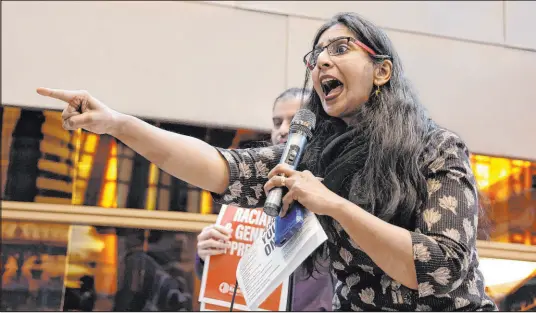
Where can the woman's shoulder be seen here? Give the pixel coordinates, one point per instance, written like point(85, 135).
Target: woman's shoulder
point(443, 144)
point(440, 141)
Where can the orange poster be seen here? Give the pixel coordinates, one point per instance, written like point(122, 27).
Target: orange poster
point(214, 307)
point(219, 275)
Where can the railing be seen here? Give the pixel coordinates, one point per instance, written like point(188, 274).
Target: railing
point(182, 221)
point(96, 216)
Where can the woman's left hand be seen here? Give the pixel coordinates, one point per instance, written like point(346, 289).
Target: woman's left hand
point(305, 188)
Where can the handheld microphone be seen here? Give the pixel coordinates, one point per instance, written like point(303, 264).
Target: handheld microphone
point(301, 131)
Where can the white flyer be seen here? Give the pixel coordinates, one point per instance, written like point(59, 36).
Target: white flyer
point(264, 266)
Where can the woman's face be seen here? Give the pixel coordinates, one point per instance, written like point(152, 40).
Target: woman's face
point(353, 69)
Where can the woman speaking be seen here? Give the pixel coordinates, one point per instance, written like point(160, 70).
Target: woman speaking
point(398, 199)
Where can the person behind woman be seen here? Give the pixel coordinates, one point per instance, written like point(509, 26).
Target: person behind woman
point(398, 199)
point(311, 293)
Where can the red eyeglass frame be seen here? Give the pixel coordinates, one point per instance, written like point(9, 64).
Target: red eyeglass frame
point(355, 41)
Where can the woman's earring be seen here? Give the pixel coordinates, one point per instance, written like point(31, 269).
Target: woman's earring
point(378, 91)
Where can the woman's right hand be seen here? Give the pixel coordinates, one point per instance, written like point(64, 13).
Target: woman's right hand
point(84, 111)
point(213, 240)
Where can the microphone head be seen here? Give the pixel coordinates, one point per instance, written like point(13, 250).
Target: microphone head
point(303, 120)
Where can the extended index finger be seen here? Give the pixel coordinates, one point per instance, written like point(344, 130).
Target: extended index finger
point(63, 95)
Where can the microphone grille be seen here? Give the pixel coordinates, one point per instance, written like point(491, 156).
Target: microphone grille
point(304, 117)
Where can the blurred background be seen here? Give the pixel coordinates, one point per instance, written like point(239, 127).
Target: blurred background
point(88, 224)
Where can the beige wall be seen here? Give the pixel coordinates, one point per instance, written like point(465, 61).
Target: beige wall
point(473, 63)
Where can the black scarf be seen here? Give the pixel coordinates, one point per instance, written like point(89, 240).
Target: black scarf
point(339, 161)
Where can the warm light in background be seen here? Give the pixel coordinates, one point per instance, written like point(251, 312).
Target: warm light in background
point(80, 238)
point(152, 187)
point(106, 282)
point(85, 150)
point(86, 244)
point(491, 171)
point(505, 183)
point(91, 142)
point(150, 199)
point(206, 202)
point(109, 192)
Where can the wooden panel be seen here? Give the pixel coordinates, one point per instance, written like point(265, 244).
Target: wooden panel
point(96, 216)
point(9, 120)
point(55, 130)
point(51, 200)
point(54, 167)
point(52, 184)
point(55, 149)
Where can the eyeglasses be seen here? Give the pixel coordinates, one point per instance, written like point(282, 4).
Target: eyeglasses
point(338, 46)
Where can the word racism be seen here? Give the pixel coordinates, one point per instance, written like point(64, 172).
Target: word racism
point(253, 223)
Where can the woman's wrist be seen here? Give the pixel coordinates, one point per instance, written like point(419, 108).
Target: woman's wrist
point(341, 209)
point(118, 122)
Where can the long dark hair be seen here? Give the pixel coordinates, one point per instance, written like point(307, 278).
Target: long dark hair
point(389, 134)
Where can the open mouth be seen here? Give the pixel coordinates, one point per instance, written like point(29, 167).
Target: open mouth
point(332, 88)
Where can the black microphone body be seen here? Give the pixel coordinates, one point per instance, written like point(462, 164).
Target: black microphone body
point(300, 134)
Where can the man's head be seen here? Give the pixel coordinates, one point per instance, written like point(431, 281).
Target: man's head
point(285, 106)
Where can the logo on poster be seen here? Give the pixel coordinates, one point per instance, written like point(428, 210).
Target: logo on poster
point(224, 287)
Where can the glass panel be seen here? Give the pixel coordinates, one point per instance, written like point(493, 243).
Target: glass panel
point(131, 269)
point(106, 269)
point(507, 185)
point(33, 265)
point(124, 269)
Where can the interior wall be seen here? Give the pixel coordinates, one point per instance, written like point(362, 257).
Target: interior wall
point(223, 62)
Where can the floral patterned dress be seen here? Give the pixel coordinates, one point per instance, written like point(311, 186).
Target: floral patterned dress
point(444, 238)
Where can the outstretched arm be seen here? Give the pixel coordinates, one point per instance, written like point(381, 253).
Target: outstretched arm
point(190, 159)
point(184, 157)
